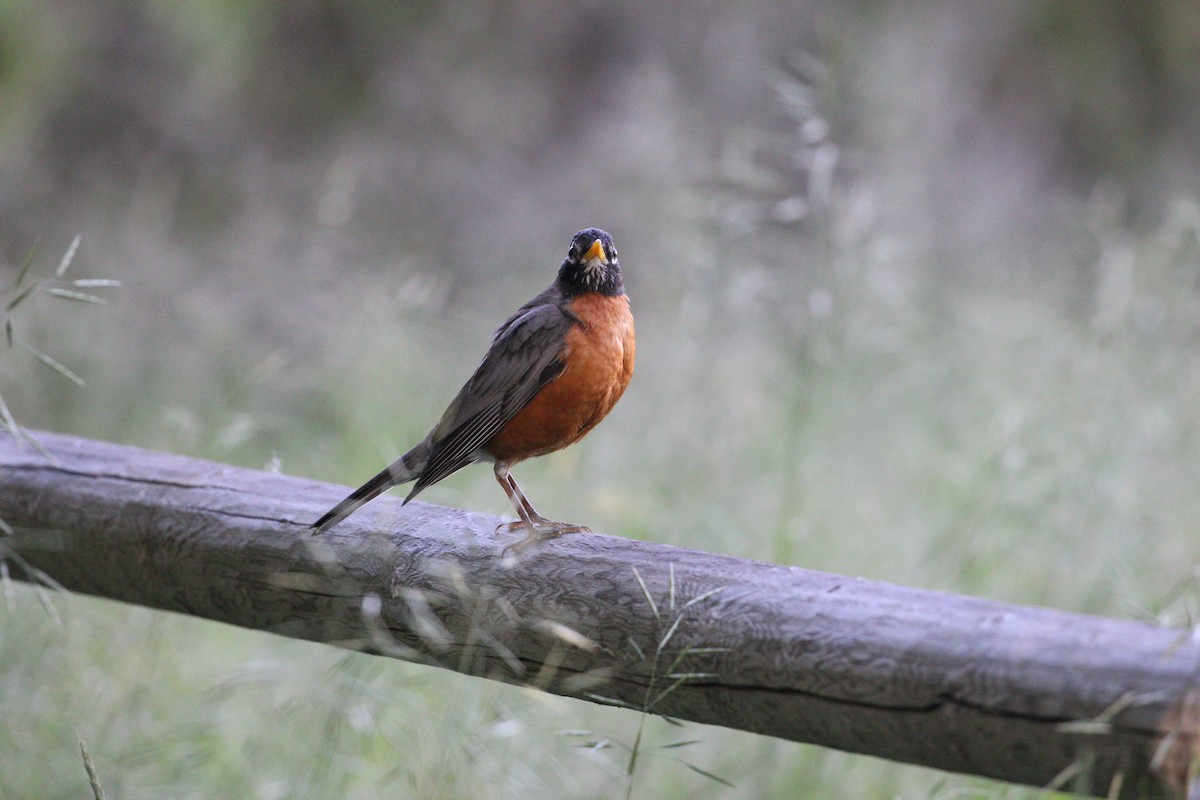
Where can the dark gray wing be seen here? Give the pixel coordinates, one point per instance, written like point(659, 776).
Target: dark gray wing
point(525, 355)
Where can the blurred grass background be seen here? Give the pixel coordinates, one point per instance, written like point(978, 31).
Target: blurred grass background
point(916, 287)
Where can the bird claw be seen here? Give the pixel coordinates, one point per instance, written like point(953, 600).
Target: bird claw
point(541, 530)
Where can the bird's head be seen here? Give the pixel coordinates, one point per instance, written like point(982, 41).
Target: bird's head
point(591, 264)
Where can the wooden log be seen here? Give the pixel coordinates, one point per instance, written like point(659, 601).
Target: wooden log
point(1021, 694)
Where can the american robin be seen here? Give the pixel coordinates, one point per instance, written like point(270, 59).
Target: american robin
point(554, 369)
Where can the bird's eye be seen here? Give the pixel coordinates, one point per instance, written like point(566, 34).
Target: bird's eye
point(613, 252)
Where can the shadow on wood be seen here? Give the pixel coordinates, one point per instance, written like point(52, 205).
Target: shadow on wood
point(1021, 694)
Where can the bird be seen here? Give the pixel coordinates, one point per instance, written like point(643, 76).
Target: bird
point(554, 369)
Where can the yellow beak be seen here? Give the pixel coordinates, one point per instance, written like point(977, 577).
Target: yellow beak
point(596, 251)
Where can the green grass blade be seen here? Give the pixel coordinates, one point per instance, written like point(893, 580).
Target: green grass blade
point(646, 592)
point(637, 648)
point(95, 283)
point(25, 265)
point(692, 676)
point(93, 777)
point(6, 581)
point(79, 297)
point(685, 743)
point(47, 604)
point(56, 365)
point(10, 423)
point(36, 445)
point(6, 419)
point(633, 757)
point(700, 598)
point(39, 580)
point(68, 256)
point(709, 775)
point(665, 692)
point(662, 643)
point(36, 576)
point(671, 573)
point(611, 701)
point(691, 651)
point(22, 296)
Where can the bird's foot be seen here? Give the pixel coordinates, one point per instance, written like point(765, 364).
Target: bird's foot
point(539, 530)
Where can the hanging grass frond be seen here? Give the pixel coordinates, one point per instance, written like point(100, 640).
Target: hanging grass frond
point(655, 693)
point(54, 287)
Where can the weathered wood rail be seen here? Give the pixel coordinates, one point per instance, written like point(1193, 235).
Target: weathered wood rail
point(1029, 695)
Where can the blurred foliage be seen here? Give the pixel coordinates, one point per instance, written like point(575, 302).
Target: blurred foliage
point(916, 288)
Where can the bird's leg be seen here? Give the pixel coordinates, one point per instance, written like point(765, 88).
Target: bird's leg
point(530, 511)
point(536, 526)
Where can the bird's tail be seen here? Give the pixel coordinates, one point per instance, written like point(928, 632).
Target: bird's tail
point(404, 469)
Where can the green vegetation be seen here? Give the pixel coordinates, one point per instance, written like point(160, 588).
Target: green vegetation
point(917, 299)
point(23, 289)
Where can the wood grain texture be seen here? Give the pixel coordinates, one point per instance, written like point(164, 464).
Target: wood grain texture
point(957, 683)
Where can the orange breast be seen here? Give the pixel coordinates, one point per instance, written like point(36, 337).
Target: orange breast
point(599, 363)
